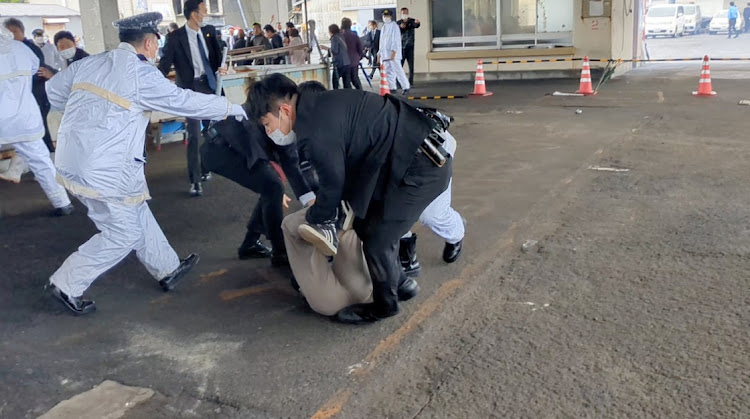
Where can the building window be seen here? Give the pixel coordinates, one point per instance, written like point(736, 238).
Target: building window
point(213, 7)
point(177, 4)
point(474, 24)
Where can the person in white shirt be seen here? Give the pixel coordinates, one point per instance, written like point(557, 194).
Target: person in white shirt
point(21, 120)
point(390, 53)
point(52, 57)
point(107, 99)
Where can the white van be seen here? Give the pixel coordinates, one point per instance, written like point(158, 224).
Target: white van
point(693, 18)
point(666, 20)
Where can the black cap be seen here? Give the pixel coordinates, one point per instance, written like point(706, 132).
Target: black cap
point(142, 23)
point(387, 12)
point(37, 32)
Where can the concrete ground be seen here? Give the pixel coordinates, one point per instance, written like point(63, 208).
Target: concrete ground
point(634, 302)
point(690, 46)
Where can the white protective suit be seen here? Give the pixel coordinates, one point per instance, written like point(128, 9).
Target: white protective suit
point(107, 100)
point(20, 120)
point(390, 40)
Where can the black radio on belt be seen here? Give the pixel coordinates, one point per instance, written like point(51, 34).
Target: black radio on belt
point(432, 146)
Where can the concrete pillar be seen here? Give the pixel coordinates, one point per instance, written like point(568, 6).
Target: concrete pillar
point(97, 17)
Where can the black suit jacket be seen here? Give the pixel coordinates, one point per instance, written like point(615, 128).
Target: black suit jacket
point(37, 82)
point(249, 139)
point(360, 145)
point(375, 42)
point(177, 52)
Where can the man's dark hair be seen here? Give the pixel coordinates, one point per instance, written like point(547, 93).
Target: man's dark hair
point(346, 24)
point(290, 25)
point(269, 28)
point(64, 35)
point(311, 86)
point(405, 8)
point(190, 7)
point(265, 95)
point(173, 26)
point(13, 22)
point(334, 29)
point(293, 32)
point(134, 37)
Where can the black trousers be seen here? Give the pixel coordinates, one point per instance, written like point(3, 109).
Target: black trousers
point(408, 56)
point(354, 75)
point(373, 62)
point(263, 179)
point(195, 138)
point(344, 73)
point(747, 25)
point(380, 237)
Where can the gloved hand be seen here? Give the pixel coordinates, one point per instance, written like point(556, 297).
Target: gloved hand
point(238, 112)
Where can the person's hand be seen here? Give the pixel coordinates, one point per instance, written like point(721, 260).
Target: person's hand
point(45, 72)
point(223, 71)
point(310, 203)
point(416, 21)
point(286, 200)
point(403, 25)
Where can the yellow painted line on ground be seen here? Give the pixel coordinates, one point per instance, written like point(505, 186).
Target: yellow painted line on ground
point(205, 278)
point(228, 295)
point(334, 405)
point(161, 300)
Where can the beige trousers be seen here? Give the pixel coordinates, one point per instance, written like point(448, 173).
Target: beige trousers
point(328, 287)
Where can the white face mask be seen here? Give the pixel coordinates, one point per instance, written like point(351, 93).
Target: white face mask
point(68, 53)
point(386, 19)
point(203, 24)
point(39, 40)
point(404, 16)
point(280, 138)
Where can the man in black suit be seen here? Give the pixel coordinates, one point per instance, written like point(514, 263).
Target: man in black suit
point(196, 55)
point(407, 26)
point(374, 35)
point(242, 152)
point(365, 149)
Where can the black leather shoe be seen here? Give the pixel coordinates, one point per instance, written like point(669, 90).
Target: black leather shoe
point(256, 250)
point(77, 305)
point(451, 252)
point(63, 211)
point(280, 261)
point(171, 281)
point(362, 314)
point(408, 289)
point(407, 254)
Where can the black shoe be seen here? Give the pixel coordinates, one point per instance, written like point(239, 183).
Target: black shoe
point(451, 252)
point(322, 236)
point(280, 261)
point(405, 92)
point(206, 177)
point(171, 281)
point(362, 314)
point(196, 189)
point(407, 254)
point(63, 211)
point(408, 289)
point(255, 250)
point(77, 305)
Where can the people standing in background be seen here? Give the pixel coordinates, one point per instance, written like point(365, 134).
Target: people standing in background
point(746, 16)
point(407, 26)
point(374, 35)
point(276, 42)
point(172, 27)
point(354, 48)
point(66, 44)
point(260, 40)
point(298, 57)
point(733, 14)
point(52, 57)
point(312, 39)
point(390, 53)
point(340, 57)
point(241, 41)
point(195, 52)
point(15, 26)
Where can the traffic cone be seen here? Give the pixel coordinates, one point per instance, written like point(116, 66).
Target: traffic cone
point(480, 89)
point(586, 88)
point(704, 83)
point(384, 89)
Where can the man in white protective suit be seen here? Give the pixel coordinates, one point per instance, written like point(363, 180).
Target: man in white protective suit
point(101, 156)
point(20, 119)
point(390, 53)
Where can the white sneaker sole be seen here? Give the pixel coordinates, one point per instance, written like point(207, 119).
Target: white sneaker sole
point(312, 236)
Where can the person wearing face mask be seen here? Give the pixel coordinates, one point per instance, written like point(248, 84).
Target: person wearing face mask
point(195, 52)
point(51, 56)
point(390, 53)
point(374, 153)
point(374, 36)
point(107, 99)
point(407, 26)
point(66, 45)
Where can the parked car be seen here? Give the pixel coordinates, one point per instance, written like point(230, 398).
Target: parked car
point(693, 18)
point(720, 23)
point(666, 20)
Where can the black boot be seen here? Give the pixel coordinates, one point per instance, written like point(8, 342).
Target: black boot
point(186, 265)
point(252, 248)
point(407, 288)
point(407, 254)
point(77, 305)
point(451, 252)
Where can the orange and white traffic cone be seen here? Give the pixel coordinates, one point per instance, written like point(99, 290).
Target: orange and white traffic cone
point(704, 83)
point(586, 88)
point(384, 89)
point(480, 89)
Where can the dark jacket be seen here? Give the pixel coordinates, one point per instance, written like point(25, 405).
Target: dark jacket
point(374, 41)
point(339, 52)
point(407, 34)
point(277, 42)
point(265, 43)
point(37, 82)
point(177, 52)
point(249, 139)
point(746, 13)
point(80, 54)
point(360, 145)
point(353, 46)
point(240, 43)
